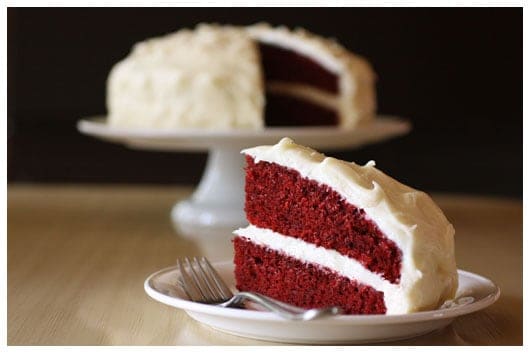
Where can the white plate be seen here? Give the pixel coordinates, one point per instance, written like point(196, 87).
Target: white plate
point(261, 325)
point(381, 128)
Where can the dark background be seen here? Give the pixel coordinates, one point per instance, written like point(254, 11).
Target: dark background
point(455, 73)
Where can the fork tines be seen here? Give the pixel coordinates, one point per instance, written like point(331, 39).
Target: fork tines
point(201, 282)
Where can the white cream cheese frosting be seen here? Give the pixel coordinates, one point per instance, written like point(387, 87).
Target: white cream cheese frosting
point(211, 77)
point(208, 77)
point(404, 215)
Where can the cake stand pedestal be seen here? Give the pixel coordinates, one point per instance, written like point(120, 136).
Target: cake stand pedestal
point(215, 208)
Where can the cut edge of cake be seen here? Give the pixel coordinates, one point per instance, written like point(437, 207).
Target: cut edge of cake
point(356, 103)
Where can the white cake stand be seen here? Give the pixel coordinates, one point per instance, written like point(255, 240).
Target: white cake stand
point(216, 207)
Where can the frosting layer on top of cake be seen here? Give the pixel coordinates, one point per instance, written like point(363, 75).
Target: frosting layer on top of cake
point(206, 77)
point(406, 216)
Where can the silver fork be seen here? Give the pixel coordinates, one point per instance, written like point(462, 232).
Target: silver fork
point(203, 284)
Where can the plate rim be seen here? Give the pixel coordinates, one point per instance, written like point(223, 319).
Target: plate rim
point(368, 319)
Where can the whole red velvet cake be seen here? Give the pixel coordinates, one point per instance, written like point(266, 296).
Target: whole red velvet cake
point(327, 232)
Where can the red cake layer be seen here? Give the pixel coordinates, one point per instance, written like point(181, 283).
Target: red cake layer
point(282, 110)
point(280, 199)
point(284, 278)
point(280, 64)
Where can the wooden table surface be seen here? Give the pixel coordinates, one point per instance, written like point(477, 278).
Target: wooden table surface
point(78, 256)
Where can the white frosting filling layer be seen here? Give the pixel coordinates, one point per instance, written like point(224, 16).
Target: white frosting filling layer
point(305, 92)
point(404, 215)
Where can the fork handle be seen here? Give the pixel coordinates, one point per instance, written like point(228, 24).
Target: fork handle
point(282, 309)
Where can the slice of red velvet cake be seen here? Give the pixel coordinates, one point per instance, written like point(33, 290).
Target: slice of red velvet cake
point(327, 232)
